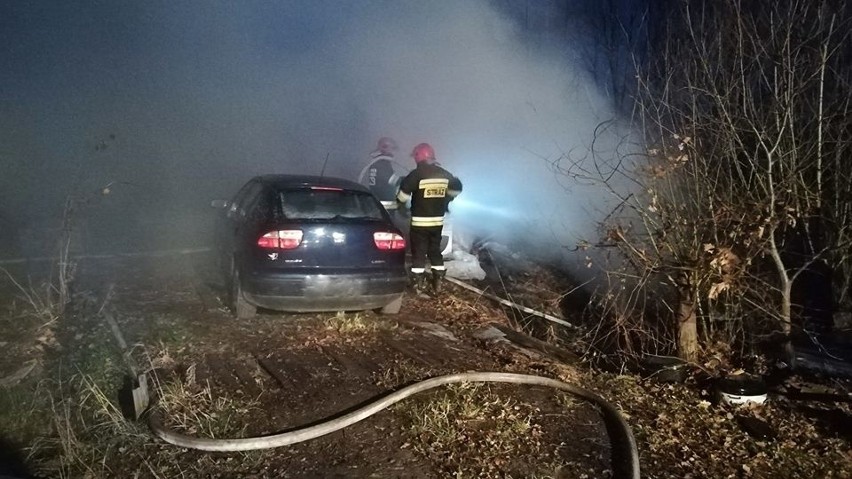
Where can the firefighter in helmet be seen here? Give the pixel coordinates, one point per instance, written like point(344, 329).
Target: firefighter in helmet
point(430, 189)
point(379, 175)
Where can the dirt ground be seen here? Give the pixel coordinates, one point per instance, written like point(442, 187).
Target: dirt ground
point(217, 377)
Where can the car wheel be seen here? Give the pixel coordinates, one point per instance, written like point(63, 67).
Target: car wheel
point(239, 304)
point(393, 307)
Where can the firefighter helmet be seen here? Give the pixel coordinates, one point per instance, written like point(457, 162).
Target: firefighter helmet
point(423, 152)
point(387, 145)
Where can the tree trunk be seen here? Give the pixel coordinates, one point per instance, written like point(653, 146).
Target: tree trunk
point(787, 318)
point(687, 342)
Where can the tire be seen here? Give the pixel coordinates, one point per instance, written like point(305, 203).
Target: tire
point(393, 307)
point(239, 304)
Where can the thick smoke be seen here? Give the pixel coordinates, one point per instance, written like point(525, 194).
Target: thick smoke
point(177, 103)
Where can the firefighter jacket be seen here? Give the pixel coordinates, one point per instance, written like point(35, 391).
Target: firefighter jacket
point(381, 179)
point(430, 189)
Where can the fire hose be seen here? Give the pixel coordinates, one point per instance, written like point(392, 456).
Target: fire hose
point(624, 453)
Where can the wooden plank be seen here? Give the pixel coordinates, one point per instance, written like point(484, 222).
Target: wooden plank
point(273, 370)
point(243, 371)
point(511, 304)
point(350, 364)
point(436, 350)
point(406, 349)
point(554, 352)
point(433, 329)
point(308, 366)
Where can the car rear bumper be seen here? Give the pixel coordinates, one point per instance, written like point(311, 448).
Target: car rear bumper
point(322, 292)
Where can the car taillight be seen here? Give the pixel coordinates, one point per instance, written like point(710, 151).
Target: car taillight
point(283, 239)
point(391, 241)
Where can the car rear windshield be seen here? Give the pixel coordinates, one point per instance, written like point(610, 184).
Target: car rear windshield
point(326, 204)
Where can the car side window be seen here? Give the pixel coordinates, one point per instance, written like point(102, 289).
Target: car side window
point(235, 202)
point(244, 199)
point(257, 205)
point(250, 200)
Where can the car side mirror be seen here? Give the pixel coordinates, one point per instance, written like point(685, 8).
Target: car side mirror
point(219, 204)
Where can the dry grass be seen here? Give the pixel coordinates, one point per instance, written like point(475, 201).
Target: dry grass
point(346, 324)
point(85, 430)
point(680, 431)
point(84, 433)
point(470, 431)
point(41, 301)
point(194, 409)
point(402, 373)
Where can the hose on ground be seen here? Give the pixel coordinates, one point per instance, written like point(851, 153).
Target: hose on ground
point(624, 452)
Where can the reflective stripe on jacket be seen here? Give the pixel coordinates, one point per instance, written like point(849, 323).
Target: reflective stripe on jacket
point(380, 178)
point(430, 189)
point(425, 221)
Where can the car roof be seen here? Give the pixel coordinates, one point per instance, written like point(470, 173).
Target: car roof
point(290, 181)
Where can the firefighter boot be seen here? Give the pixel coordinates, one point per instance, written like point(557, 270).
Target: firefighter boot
point(437, 280)
point(418, 282)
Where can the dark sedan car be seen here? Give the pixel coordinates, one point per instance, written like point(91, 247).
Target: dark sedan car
point(304, 243)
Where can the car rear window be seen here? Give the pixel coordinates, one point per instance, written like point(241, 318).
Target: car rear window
point(325, 204)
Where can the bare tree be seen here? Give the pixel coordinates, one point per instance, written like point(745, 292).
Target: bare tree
point(742, 188)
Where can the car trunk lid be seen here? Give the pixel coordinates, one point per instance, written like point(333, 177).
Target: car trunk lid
point(327, 228)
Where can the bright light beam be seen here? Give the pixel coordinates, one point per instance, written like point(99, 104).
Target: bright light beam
point(464, 207)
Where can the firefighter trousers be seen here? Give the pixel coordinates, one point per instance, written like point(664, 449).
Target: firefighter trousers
point(426, 242)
